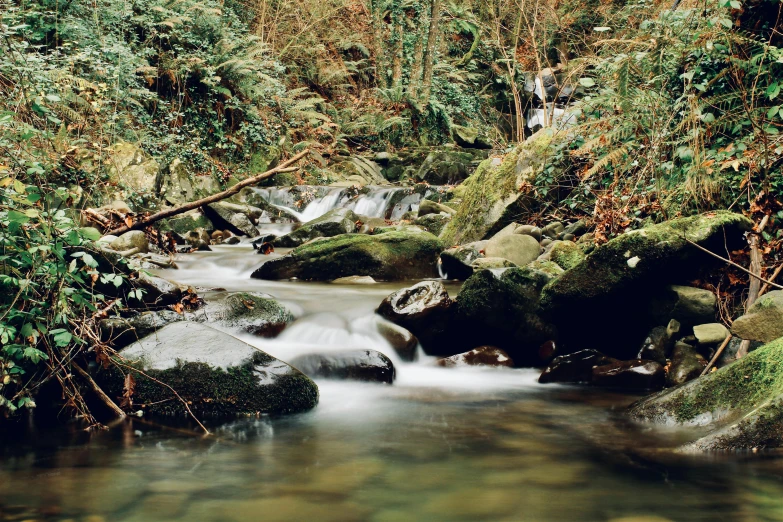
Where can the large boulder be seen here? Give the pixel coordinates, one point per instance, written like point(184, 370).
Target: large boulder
point(739, 406)
point(433, 223)
point(238, 219)
point(132, 240)
point(501, 308)
point(335, 222)
point(130, 167)
point(566, 254)
point(391, 255)
point(520, 249)
point(447, 167)
point(424, 309)
point(213, 372)
point(495, 195)
point(353, 365)
point(618, 280)
point(763, 320)
point(469, 137)
point(688, 305)
point(432, 207)
point(122, 331)
point(256, 313)
point(187, 222)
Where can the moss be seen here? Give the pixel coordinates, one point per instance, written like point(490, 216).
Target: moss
point(216, 392)
point(184, 224)
point(566, 254)
point(244, 304)
point(744, 385)
point(390, 255)
point(491, 197)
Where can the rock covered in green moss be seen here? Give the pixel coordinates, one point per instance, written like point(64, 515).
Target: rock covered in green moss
point(617, 281)
point(391, 255)
point(500, 307)
point(763, 320)
point(457, 262)
point(214, 372)
point(252, 312)
point(493, 195)
point(566, 254)
point(186, 222)
point(739, 406)
point(335, 222)
point(433, 223)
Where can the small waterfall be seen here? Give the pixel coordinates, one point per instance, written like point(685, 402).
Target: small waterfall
point(311, 202)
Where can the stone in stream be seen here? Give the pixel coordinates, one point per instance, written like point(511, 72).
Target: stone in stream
point(391, 255)
point(335, 222)
point(401, 340)
point(122, 331)
point(354, 280)
point(710, 334)
point(457, 262)
point(186, 222)
point(656, 346)
point(353, 365)
point(490, 263)
point(688, 305)
point(433, 223)
point(236, 218)
point(252, 312)
point(425, 310)
point(427, 207)
point(738, 407)
point(574, 367)
point(763, 320)
point(686, 365)
point(481, 356)
point(520, 249)
point(619, 279)
point(134, 239)
point(500, 308)
point(630, 375)
point(157, 291)
point(215, 373)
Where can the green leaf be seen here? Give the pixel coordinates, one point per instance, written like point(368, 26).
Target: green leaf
point(63, 338)
point(773, 90)
point(735, 4)
point(773, 111)
point(17, 217)
point(587, 82)
point(90, 233)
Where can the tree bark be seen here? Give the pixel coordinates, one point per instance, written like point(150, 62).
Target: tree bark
point(376, 11)
point(429, 56)
point(398, 28)
point(418, 57)
point(755, 282)
point(143, 223)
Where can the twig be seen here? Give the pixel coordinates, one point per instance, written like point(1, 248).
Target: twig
point(717, 354)
point(98, 391)
point(142, 223)
point(735, 265)
point(172, 390)
point(774, 276)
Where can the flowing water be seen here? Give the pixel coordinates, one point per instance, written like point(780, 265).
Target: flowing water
point(439, 444)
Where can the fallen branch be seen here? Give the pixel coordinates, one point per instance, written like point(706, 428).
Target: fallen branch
point(717, 354)
point(735, 265)
point(143, 223)
point(774, 276)
point(98, 391)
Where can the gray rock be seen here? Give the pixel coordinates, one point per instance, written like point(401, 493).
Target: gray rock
point(711, 333)
point(353, 365)
point(688, 305)
point(517, 248)
point(157, 291)
point(481, 356)
point(401, 340)
point(553, 230)
point(489, 263)
point(256, 313)
point(763, 320)
point(238, 219)
point(577, 228)
point(355, 280)
point(135, 239)
point(215, 373)
point(457, 262)
point(335, 222)
point(120, 331)
point(433, 223)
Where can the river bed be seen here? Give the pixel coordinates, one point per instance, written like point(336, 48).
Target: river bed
point(440, 444)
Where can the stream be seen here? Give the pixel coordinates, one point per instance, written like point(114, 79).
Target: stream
point(439, 444)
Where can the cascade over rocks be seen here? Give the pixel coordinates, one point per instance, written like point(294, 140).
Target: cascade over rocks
point(391, 255)
point(501, 308)
point(335, 222)
point(425, 310)
point(353, 365)
point(619, 279)
point(736, 407)
point(215, 373)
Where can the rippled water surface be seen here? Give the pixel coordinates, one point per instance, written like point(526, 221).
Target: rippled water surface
point(440, 444)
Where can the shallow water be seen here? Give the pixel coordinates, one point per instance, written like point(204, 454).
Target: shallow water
point(440, 444)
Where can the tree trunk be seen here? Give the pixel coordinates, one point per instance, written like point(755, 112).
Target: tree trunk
point(429, 56)
point(376, 12)
point(398, 29)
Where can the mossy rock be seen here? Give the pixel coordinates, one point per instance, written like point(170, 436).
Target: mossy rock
point(186, 223)
point(566, 254)
point(216, 374)
point(251, 312)
point(406, 253)
point(618, 280)
point(500, 308)
point(335, 222)
point(493, 196)
point(433, 223)
point(739, 406)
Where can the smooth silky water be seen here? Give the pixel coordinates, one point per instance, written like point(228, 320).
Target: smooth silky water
point(439, 444)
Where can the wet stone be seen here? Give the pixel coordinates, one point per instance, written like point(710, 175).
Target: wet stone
point(632, 375)
point(354, 365)
point(574, 367)
point(481, 356)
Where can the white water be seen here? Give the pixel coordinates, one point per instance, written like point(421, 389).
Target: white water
point(377, 202)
